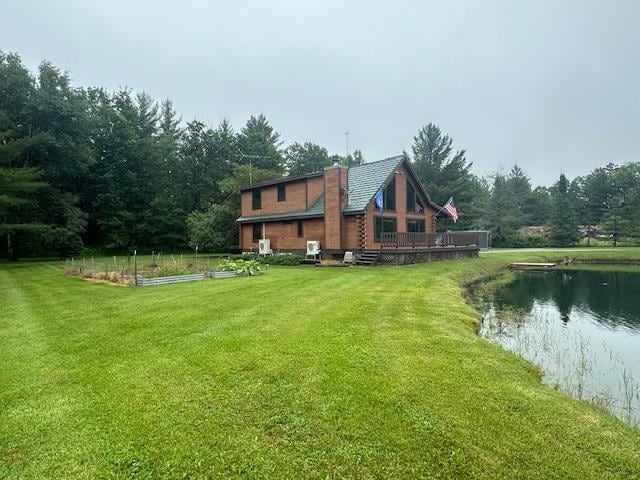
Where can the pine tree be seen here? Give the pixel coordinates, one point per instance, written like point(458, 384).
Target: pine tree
point(564, 221)
point(445, 173)
point(260, 144)
point(520, 186)
point(502, 216)
point(19, 185)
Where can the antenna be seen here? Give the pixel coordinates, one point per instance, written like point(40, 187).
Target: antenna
point(250, 157)
point(346, 134)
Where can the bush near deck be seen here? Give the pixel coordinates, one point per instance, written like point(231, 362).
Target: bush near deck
point(302, 373)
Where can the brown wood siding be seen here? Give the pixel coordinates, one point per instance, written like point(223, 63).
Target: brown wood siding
point(352, 239)
point(401, 215)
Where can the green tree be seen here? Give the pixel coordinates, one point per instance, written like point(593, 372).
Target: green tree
point(445, 173)
point(213, 229)
point(260, 145)
point(564, 220)
point(200, 167)
point(68, 222)
point(167, 215)
point(18, 188)
point(20, 147)
point(306, 158)
point(540, 206)
point(596, 191)
point(520, 187)
point(113, 184)
point(502, 216)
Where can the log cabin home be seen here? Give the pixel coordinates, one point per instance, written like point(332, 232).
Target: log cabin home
point(378, 210)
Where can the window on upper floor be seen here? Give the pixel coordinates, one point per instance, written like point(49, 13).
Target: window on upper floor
point(414, 204)
point(282, 193)
point(390, 196)
point(411, 197)
point(256, 199)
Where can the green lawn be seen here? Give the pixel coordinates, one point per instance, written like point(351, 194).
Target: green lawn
point(301, 372)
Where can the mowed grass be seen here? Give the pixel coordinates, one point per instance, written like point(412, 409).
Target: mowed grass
point(301, 372)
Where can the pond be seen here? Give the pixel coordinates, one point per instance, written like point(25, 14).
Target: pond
point(581, 327)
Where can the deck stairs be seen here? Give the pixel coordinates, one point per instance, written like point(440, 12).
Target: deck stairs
point(368, 257)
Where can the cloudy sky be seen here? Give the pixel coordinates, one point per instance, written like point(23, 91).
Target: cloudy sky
point(551, 85)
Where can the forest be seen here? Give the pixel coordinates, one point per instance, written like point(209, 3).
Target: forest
point(86, 168)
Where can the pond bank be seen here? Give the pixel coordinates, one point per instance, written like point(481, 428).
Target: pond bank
point(580, 326)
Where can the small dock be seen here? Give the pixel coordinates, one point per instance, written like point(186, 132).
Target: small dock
point(532, 266)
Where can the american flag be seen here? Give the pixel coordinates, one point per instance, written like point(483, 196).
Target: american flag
point(450, 208)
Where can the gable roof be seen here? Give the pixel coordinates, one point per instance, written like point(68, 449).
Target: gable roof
point(365, 180)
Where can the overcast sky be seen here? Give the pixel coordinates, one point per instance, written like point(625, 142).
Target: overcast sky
point(551, 85)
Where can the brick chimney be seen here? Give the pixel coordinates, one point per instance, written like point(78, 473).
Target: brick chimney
point(336, 183)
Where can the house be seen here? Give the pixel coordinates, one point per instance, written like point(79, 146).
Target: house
point(375, 207)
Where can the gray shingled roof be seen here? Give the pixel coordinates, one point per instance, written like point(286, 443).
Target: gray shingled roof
point(366, 179)
point(364, 182)
point(316, 210)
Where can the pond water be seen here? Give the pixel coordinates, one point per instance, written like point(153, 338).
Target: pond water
point(581, 327)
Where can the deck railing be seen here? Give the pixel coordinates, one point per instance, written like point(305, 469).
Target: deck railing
point(417, 240)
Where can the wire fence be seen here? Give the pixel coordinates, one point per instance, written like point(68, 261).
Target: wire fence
point(144, 270)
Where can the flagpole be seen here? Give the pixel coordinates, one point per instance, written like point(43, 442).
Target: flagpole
point(442, 207)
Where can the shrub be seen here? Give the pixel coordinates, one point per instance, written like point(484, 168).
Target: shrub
point(239, 266)
point(277, 259)
point(284, 259)
point(517, 240)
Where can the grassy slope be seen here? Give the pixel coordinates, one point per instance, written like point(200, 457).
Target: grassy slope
point(361, 372)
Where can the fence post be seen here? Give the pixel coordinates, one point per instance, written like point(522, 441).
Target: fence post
point(135, 268)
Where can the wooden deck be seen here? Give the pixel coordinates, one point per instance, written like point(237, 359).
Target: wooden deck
point(419, 240)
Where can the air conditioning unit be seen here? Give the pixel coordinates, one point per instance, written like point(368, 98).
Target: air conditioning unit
point(313, 247)
point(264, 246)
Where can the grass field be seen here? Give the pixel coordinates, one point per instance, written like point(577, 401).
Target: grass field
point(301, 372)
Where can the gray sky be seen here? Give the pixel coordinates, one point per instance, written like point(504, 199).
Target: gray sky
point(550, 85)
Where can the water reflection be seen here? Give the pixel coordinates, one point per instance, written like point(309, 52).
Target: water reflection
point(581, 327)
point(612, 298)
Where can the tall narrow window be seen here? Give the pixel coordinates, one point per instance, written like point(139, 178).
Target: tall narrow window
point(390, 196)
point(256, 199)
point(282, 193)
point(300, 229)
point(257, 232)
point(411, 198)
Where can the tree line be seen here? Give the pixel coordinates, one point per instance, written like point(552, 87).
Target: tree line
point(85, 167)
